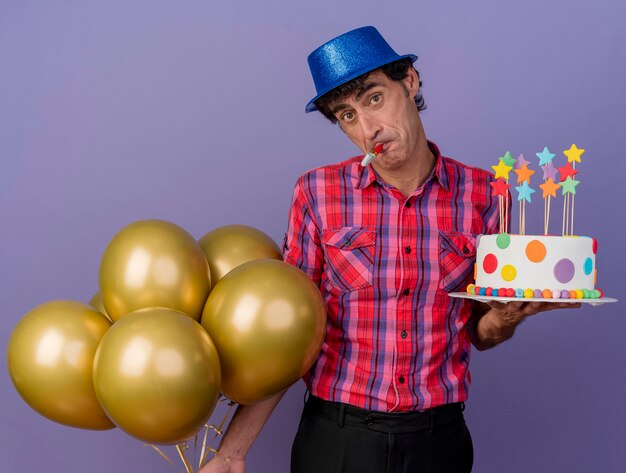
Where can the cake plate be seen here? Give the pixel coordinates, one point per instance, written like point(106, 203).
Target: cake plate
point(593, 302)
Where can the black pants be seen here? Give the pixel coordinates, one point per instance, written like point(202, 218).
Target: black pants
point(338, 438)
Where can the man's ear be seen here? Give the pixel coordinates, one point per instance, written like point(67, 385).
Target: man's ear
point(412, 82)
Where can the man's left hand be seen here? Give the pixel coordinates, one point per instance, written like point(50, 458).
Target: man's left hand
point(494, 322)
point(512, 313)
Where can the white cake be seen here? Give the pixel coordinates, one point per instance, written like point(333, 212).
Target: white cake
point(535, 266)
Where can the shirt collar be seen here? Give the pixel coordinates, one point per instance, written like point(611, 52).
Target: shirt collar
point(368, 175)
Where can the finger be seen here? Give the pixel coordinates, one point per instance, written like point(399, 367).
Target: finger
point(569, 305)
point(497, 305)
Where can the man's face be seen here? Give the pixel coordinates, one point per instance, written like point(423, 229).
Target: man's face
point(383, 112)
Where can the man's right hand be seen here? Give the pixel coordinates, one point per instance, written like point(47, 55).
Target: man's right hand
point(218, 465)
point(241, 432)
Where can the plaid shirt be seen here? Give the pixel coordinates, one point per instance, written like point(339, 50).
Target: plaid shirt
point(384, 263)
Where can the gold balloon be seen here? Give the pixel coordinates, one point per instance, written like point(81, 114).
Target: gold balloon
point(154, 263)
point(267, 320)
point(50, 358)
point(157, 375)
point(230, 246)
point(97, 303)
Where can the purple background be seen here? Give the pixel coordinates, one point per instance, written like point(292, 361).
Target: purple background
point(192, 112)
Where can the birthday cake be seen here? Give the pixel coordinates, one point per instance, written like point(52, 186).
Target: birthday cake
point(536, 266)
point(542, 266)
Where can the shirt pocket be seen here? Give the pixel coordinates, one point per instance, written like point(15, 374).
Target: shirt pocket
point(457, 255)
point(350, 257)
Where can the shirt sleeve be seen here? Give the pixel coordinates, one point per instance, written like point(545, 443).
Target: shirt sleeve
point(302, 246)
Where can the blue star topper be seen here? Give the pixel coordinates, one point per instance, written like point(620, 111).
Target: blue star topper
point(545, 156)
point(524, 191)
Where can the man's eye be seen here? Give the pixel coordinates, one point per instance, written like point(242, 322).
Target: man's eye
point(376, 98)
point(348, 116)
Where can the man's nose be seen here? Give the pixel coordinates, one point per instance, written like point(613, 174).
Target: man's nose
point(370, 126)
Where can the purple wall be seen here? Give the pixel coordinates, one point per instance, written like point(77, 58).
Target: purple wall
point(111, 112)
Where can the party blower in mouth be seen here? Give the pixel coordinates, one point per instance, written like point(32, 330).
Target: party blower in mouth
point(369, 157)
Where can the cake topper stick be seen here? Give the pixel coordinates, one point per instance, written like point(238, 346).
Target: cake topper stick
point(573, 156)
point(564, 214)
point(572, 224)
point(569, 184)
point(500, 189)
point(545, 163)
point(523, 177)
point(524, 193)
point(501, 186)
point(549, 188)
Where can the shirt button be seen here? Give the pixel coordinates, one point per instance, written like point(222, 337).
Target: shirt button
point(407, 204)
point(407, 249)
point(401, 379)
point(406, 292)
point(403, 334)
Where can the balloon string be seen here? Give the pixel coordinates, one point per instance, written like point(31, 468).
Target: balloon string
point(203, 449)
point(163, 455)
point(204, 453)
point(181, 452)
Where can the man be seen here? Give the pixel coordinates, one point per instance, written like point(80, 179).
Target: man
point(385, 242)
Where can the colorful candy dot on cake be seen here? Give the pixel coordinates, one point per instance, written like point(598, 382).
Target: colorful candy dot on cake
point(495, 292)
point(587, 294)
point(470, 288)
point(537, 293)
point(510, 292)
point(594, 245)
point(503, 240)
point(596, 294)
point(600, 292)
point(508, 272)
point(588, 266)
point(546, 294)
point(483, 291)
point(565, 294)
point(572, 294)
point(528, 293)
point(564, 270)
point(519, 292)
point(489, 291)
point(535, 251)
point(490, 263)
point(556, 294)
point(579, 293)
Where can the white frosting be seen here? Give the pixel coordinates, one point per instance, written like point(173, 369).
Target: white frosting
point(536, 275)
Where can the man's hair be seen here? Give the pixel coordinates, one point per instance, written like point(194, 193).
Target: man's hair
point(396, 70)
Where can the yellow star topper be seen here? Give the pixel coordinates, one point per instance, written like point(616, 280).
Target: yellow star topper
point(502, 170)
point(573, 154)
